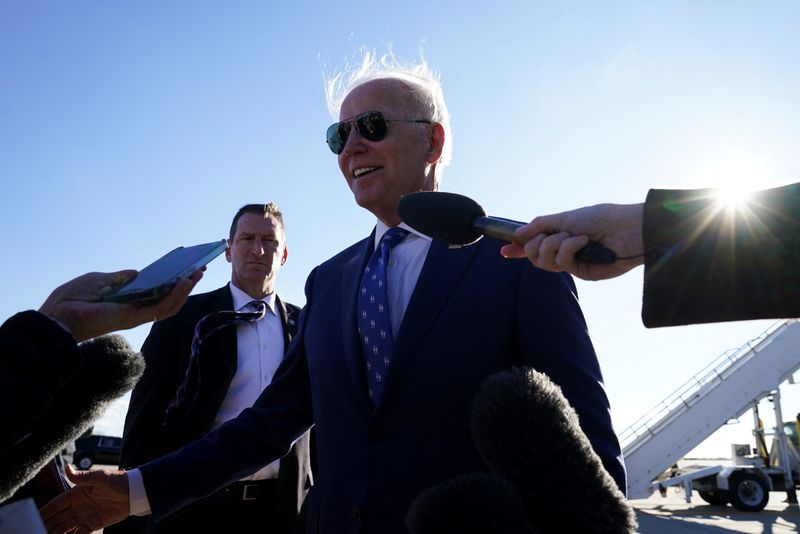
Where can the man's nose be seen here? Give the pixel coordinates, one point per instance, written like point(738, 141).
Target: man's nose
point(354, 143)
point(257, 248)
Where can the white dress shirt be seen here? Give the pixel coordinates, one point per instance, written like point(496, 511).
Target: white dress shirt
point(259, 353)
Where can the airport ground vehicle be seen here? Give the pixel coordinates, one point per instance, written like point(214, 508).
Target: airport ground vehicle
point(96, 449)
point(731, 385)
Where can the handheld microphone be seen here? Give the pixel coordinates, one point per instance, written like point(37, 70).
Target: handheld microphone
point(459, 220)
point(527, 432)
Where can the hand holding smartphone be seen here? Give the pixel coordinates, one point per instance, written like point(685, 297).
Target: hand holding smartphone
point(158, 278)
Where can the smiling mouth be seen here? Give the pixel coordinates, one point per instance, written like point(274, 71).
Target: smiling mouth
point(363, 171)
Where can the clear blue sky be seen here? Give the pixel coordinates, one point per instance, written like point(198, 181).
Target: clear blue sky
point(128, 128)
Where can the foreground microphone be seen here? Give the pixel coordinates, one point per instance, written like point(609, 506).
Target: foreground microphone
point(527, 432)
point(459, 220)
point(109, 369)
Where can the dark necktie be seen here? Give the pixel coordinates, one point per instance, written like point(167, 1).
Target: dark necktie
point(374, 324)
point(187, 392)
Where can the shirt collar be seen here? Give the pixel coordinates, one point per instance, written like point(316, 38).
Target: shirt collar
point(242, 299)
point(381, 228)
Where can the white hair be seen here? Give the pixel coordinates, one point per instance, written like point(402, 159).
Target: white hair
point(423, 81)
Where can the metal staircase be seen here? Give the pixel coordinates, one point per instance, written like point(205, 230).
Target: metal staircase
point(723, 390)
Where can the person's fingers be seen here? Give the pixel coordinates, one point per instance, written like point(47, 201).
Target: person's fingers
point(544, 224)
point(58, 515)
point(55, 506)
point(119, 277)
point(512, 250)
point(532, 248)
point(84, 478)
point(565, 256)
point(73, 475)
point(174, 301)
point(548, 250)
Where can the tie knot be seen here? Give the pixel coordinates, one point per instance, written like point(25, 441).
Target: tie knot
point(256, 306)
point(394, 235)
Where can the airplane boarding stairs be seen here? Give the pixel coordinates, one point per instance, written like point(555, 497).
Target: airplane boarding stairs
point(723, 390)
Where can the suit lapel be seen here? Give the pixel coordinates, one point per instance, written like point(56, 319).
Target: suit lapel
point(220, 350)
point(440, 276)
point(217, 359)
point(351, 279)
point(288, 323)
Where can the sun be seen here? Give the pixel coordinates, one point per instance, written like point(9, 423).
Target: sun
point(733, 196)
point(736, 174)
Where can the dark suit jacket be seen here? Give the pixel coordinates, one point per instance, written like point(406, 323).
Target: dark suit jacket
point(166, 351)
point(706, 264)
point(472, 313)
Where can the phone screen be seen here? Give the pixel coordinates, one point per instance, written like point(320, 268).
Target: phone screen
point(158, 278)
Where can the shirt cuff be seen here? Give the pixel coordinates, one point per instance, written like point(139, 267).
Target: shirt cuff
point(138, 496)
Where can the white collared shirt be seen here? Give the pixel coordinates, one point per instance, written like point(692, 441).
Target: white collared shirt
point(260, 350)
point(405, 263)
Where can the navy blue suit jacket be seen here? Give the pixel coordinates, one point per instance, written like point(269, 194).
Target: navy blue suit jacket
point(472, 313)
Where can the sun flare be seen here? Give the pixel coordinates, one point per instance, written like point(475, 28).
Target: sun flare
point(736, 175)
point(733, 197)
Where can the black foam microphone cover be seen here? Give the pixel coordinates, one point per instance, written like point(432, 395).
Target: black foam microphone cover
point(527, 432)
point(110, 369)
point(475, 503)
point(446, 216)
point(459, 220)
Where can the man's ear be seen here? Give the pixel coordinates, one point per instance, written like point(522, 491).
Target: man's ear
point(285, 254)
point(228, 251)
point(435, 143)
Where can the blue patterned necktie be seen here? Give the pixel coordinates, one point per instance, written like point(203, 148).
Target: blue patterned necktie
point(374, 325)
point(187, 392)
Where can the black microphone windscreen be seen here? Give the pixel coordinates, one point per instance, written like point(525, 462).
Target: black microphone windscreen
point(445, 216)
point(109, 369)
point(475, 503)
point(113, 367)
point(526, 431)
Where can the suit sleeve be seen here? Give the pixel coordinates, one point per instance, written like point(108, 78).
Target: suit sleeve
point(707, 263)
point(38, 359)
point(554, 339)
point(143, 438)
point(258, 436)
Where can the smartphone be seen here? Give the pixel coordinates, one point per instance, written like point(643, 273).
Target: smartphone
point(158, 278)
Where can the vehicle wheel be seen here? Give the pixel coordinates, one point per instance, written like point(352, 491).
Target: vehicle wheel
point(748, 492)
point(84, 462)
point(717, 497)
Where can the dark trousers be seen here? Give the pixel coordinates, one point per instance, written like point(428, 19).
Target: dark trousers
point(242, 508)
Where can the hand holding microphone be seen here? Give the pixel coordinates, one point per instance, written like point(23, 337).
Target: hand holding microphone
point(572, 241)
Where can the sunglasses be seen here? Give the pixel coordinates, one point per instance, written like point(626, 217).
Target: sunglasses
point(371, 125)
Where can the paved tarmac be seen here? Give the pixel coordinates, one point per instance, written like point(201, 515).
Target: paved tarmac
point(672, 515)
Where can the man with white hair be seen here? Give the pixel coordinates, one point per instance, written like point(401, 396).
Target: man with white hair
point(397, 336)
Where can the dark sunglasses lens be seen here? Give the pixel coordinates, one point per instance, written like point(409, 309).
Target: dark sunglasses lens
point(337, 136)
point(371, 126)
